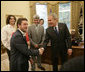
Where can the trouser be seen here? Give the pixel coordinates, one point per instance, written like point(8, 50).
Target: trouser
point(24, 66)
point(63, 58)
point(8, 52)
point(38, 59)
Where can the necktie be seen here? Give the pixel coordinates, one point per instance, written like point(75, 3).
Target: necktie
point(56, 30)
point(27, 37)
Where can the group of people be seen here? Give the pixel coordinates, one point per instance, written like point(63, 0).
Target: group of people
point(29, 42)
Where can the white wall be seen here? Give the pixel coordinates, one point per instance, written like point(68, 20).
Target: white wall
point(14, 8)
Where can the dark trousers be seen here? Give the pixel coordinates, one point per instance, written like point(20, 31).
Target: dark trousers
point(8, 52)
point(19, 66)
point(63, 58)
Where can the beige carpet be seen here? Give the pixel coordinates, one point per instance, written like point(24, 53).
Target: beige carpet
point(5, 64)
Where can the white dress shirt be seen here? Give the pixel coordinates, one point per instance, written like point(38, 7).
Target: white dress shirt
point(56, 27)
point(24, 34)
point(6, 34)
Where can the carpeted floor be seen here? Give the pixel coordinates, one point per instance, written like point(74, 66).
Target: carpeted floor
point(5, 64)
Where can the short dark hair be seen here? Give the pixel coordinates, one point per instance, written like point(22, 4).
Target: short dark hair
point(42, 19)
point(8, 18)
point(19, 21)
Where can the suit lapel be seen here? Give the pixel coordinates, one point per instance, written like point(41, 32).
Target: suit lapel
point(20, 33)
point(23, 37)
point(35, 31)
point(53, 31)
point(39, 30)
point(60, 28)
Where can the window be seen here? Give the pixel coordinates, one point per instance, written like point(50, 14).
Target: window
point(41, 10)
point(65, 13)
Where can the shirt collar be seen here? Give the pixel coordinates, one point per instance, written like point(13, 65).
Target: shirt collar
point(56, 26)
point(23, 33)
point(36, 25)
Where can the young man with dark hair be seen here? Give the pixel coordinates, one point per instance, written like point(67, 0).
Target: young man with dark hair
point(19, 48)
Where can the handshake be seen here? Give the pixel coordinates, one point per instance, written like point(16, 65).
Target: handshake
point(41, 50)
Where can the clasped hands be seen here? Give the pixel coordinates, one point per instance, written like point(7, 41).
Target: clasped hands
point(69, 52)
point(41, 49)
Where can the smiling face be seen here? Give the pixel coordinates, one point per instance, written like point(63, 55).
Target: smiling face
point(52, 21)
point(23, 26)
point(41, 22)
point(12, 20)
point(36, 21)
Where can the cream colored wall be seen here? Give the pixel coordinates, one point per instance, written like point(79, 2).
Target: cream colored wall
point(14, 8)
point(19, 8)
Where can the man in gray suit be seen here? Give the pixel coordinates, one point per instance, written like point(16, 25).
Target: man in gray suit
point(36, 35)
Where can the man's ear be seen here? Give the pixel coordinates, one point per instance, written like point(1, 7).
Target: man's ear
point(19, 25)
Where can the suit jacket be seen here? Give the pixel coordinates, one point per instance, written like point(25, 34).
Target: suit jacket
point(20, 52)
point(36, 38)
point(59, 42)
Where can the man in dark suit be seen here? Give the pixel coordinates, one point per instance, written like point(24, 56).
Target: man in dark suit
point(19, 48)
point(60, 40)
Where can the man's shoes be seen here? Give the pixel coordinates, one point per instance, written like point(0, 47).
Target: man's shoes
point(42, 68)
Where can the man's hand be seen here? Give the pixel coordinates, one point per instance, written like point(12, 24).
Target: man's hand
point(41, 50)
point(31, 60)
point(69, 52)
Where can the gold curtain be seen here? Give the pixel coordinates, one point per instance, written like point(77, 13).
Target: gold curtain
point(75, 13)
point(82, 6)
point(32, 11)
point(33, 8)
point(53, 6)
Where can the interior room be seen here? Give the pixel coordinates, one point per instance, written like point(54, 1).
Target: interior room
point(69, 12)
